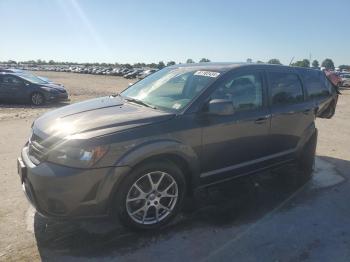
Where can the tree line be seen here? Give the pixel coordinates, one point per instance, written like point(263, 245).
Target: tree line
point(326, 63)
point(159, 65)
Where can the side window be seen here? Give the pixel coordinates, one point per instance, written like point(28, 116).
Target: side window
point(245, 91)
point(10, 80)
point(285, 88)
point(315, 83)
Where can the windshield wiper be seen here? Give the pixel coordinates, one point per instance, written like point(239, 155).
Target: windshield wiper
point(140, 102)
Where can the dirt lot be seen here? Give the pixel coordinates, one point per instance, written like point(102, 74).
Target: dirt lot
point(79, 86)
point(267, 222)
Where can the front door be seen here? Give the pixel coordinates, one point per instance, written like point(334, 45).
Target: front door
point(233, 144)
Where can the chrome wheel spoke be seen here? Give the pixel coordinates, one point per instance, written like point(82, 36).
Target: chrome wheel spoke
point(168, 195)
point(151, 181)
point(139, 210)
point(157, 213)
point(167, 189)
point(164, 207)
point(159, 181)
point(142, 193)
point(135, 199)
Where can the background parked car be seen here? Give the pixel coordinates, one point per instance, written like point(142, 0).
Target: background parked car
point(345, 79)
point(334, 77)
point(17, 87)
point(147, 73)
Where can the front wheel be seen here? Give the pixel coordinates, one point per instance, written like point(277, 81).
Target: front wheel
point(151, 195)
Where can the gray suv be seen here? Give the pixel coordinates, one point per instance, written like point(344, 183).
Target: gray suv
point(137, 154)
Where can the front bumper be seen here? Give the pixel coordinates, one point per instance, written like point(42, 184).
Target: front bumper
point(56, 96)
point(58, 191)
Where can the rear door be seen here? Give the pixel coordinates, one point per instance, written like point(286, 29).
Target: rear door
point(13, 87)
point(291, 113)
point(320, 91)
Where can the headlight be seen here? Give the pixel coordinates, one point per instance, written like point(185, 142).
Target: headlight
point(77, 157)
point(48, 89)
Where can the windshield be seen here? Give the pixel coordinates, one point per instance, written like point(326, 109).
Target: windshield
point(32, 79)
point(171, 88)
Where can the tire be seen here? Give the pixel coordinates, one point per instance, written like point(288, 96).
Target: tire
point(37, 99)
point(137, 206)
point(306, 161)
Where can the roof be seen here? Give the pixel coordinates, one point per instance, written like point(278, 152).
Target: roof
point(226, 66)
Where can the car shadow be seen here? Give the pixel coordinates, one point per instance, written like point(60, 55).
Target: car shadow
point(231, 204)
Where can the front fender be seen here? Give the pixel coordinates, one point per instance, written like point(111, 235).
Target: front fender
point(156, 148)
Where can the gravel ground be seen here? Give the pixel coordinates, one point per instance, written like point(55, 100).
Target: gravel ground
point(79, 86)
point(270, 221)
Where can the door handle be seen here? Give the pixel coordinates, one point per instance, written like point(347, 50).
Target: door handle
point(307, 111)
point(261, 120)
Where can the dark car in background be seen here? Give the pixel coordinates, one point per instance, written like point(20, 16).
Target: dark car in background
point(138, 154)
point(27, 88)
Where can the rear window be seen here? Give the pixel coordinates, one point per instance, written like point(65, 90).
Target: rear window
point(316, 83)
point(286, 88)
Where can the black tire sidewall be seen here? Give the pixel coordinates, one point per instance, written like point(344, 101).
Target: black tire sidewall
point(307, 159)
point(123, 189)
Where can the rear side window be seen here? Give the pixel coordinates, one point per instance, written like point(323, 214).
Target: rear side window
point(285, 88)
point(316, 83)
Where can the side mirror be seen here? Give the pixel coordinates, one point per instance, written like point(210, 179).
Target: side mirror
point(222, 107)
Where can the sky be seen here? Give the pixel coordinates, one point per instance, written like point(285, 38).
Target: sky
point(175, 30)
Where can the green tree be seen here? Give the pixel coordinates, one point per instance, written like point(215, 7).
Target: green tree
point(259, 62)
point(274, 61)
point(302, 63)
point(344, 67)
point(328, 64)
point(315, 64)
point(189, 61)
point(51, 62)
point(204, 60)
point(160, 65)
point(170, 63)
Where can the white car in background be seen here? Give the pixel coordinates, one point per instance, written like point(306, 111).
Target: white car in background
point(345, 79)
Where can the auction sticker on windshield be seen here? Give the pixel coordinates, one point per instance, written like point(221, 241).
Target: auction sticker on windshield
point(207, 73)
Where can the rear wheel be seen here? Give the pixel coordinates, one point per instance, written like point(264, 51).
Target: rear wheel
point(151, 195)
point(37, 99)
point(306, 161)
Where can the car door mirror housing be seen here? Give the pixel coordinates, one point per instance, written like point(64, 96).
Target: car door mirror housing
point(221, 107)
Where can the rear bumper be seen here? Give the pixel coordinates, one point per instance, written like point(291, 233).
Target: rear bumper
point(58, 191)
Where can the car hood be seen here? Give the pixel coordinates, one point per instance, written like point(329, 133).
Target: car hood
point(96, 117)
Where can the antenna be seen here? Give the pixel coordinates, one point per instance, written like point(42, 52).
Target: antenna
point(291, 61)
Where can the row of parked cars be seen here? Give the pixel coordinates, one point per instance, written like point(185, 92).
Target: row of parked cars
point(339, 78)
point(129, 73)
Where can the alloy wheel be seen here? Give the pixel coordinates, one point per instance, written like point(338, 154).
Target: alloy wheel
point(152, 198)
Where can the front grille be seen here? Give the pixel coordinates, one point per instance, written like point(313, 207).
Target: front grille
point(37, 152)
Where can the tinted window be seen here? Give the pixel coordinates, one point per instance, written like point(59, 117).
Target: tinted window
point(245, 91)
point(315, 83)
point(285, 88)
point(11, 80)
